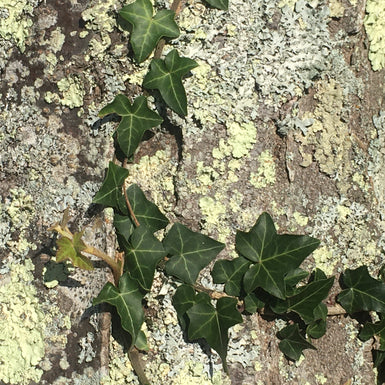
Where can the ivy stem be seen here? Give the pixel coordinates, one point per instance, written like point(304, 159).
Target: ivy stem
point(175, 6)
point(137, 365)
point(129, 207)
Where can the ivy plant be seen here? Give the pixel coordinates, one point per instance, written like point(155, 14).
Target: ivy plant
point(265, 277)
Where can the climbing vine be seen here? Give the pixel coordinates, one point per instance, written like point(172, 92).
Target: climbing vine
point(266, 276)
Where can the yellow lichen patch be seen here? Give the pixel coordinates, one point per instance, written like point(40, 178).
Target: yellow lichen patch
point(325, 260)
point(15, 24)
point(302, 220)
point(375, 25)
point(266, 171)
point(72, 90)
point(22, 326)
point(328, 134)
point(101, 16)
point(155, 174)
point(241, 137)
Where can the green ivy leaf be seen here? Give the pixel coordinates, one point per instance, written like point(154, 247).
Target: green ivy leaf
point(146, 212)
point(374, 329)
point(253, 303)
point(231, 274)
point(123, 226)
point(309, 297)
point(363, 292)
point(136, 119)
point(127, 298)
point(142, 256)
point(292, 278)
point(293, 342)
point(110, 193)
point(220, 4)
point(166, 76)
point(213, 324)
point(184, 298)
point(148, 29)
point(316, 329)
point(141, 342)
point(190, 252)
point(273, 255)
point(72, 249)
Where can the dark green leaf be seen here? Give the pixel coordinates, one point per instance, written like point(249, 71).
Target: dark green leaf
point(305, 302)
point(110, 193)
point(293, 277)
point(141, 342)
point(148, 29)
point(190, 252)
point(316, 329)
point(363, 293)
point(123, 225)
point(320, 312)
point(143, 255)
point(166, 76)
point(220, 4)
point(231, 274)
point(374, 329)
point(185, 298)
point(293, 342)
point(128, 302)
point(378, 357)
point(146, 212)
point(253, 303)
point(72, 249)
point(213, 324)
point(136, 119)
point(274, 255)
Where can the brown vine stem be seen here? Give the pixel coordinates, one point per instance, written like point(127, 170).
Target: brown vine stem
point(176, 7)
point(129, 207)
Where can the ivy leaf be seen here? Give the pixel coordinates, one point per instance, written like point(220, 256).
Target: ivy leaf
point(123, 226)
point(213, 324)
point(316, 329)
point(72, 249)
point(147, 213)
point(231, 274)
point(253, 303)
point(292, 278)
point(363, 292)
point(127, 298)
point(166, 76)
point(148, 29)
point(110, 193)
point(305, 302)
point(274, 255)
point(136, 119)
point(184, 298)
point(293, 343)
point(374, 329)
point(190, 252)
point(141, 342)
point(220, 4)
point(143, 255)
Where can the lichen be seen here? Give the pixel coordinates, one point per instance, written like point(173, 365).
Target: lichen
point(22, 325)
point(72, 90)
point(14, 22)
point(266, 171)
point(374, 25)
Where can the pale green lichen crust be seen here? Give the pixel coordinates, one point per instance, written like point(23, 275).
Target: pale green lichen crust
point(16, 21)
point(22, 326)
point(375, 25)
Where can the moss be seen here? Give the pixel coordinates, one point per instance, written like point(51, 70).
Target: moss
point(22, 325)
point(375, 25)
point(15, 25)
